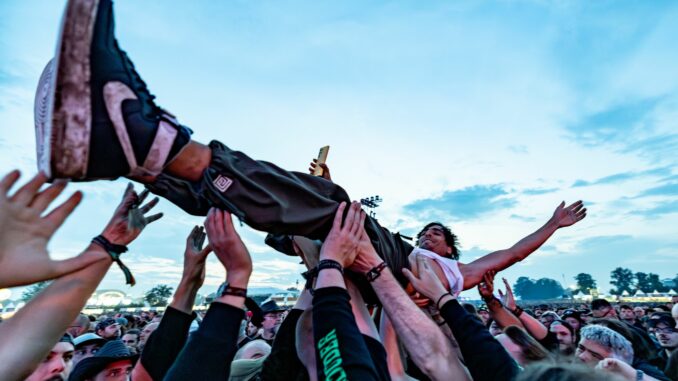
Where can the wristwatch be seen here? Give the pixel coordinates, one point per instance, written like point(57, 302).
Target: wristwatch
point(226, 289)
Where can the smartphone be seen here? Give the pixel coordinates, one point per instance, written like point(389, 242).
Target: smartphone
point(322, 158)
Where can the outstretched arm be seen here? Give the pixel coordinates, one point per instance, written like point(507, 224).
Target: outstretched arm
point(165, 344)
point(501, 315)
point(533, 326)
point(499, 260)
point(28, 336)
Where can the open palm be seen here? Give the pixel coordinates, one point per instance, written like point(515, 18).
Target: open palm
point(569, 215)
point(25, 232)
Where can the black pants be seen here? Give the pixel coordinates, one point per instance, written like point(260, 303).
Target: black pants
point(271, 199)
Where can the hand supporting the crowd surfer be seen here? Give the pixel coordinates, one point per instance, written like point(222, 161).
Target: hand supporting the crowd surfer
point(231, 252)
point(426, 282)
point(341, 244)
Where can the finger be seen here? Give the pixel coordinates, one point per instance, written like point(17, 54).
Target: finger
point(348, 221)
point(44, 198)
point(360, 228)
point(144, 209)
point(410, 277)
point(210, 223)
point(57, 216)
point(576, 206)
point(204, 252)
point(142, 196)
point(227, 222)
point(153, 217)
point(191, 236)
point(336, 224)
point(501, 294)
point(421, 264)
point(128, 198)
point(26, 193)
point(201, 236)
point(357, 219)
point(8, 181)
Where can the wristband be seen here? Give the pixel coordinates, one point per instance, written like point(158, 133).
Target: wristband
point(375, 271)
point(226, 289)
point(441, 298)
point(517, 311)
point(639, 375)
point(330, 264)
point(114, 251)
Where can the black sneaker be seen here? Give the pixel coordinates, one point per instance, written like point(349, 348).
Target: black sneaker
point(95, 118)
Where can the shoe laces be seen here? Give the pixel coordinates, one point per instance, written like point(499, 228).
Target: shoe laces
point(139, 84)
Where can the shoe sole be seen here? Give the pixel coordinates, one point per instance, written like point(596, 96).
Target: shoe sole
point(64, 113)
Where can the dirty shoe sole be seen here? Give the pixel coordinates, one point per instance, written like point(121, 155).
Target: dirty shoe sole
point(63, 117)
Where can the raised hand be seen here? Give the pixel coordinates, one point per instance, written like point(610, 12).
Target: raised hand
point(195, 256)
point(341, 244)
point(617, 367)
point(326, 170)
point(507, 298)
point(426, 282)
point(228, 247)
point(569, 215)
point(486, 287)
point(25, 232)
point(129, 218)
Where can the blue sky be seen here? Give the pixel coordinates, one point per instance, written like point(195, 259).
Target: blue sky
point(482, 115)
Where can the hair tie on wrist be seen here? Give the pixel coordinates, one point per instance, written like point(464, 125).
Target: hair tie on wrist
point(441, 298)
point(114, 251)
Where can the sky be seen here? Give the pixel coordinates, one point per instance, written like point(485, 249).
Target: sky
point(483, 115)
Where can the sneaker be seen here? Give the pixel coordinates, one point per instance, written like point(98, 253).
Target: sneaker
point(94, 116)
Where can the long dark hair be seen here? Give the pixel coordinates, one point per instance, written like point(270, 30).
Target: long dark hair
point(532, 350)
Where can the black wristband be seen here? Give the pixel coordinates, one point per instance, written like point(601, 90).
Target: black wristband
point(517, 311)
point(114, 251)
point(227, 289)
point(441, 298)
point(375, 271)
point(330, 264)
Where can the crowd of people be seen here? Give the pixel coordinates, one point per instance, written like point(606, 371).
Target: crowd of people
point(374, 307)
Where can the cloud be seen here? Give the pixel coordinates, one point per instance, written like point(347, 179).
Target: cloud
point(466, 203)
point(623, 176)
point(522, 218)
point(614, 123)
point(670, 189)
point(536, 191)
point(644, 126)
point(660, 209)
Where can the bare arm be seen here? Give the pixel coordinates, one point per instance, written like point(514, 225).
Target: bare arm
point(499, 313)
point(499, 260)
point(30, 334)
point(533, 326)
point(423, 340)
point(194, 271)
point(393, 356)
